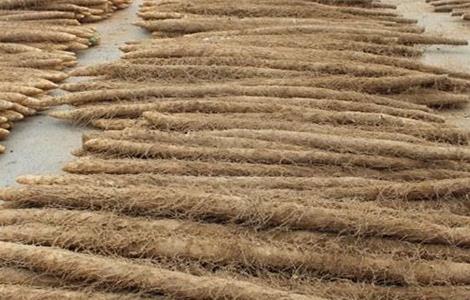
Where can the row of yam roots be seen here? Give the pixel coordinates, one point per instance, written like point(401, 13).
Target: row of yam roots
point(38, 42)
point(459, 8)
point(264, 149)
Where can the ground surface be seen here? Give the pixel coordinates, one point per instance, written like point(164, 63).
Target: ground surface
point(42, 145)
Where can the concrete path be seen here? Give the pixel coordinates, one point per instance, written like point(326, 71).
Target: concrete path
point(42, 145)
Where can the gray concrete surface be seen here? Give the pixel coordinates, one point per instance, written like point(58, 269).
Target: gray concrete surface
point(42, 145)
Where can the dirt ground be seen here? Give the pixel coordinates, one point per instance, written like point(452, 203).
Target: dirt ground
point(42, 145)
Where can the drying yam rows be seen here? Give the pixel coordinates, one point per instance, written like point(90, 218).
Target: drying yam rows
point(59, 12)
point(459, 8)
point(263, 149)
point(38, 42)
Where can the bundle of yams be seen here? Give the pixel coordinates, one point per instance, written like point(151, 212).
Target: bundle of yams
point(263, 149)
point(459, 8)
point(64, 12)
point(37, 42)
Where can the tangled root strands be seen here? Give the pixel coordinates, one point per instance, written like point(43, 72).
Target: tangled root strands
point(302, 158)
point(110, 272)
point(164, 202)
point(238, 250)
point(199, 168)
point(11, 291)
point(295, 183)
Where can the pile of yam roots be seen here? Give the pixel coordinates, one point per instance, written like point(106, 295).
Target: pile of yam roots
point(266, 149)
point(460, 8)
point(38, 40)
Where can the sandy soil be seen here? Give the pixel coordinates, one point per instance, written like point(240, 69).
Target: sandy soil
point(42, 145)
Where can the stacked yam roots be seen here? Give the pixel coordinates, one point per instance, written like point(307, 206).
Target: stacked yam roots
point(459, 8)
point(64, 12)
point(263, 149)
point(37, 42)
